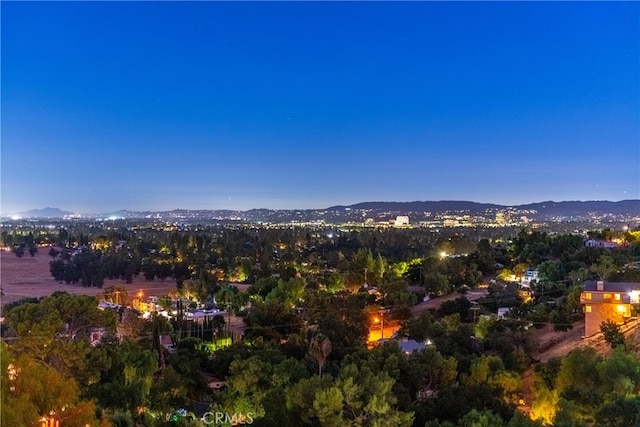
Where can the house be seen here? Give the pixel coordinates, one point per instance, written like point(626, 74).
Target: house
point(596, 243)
point(214, 383)
point(531, 275)
point(607, 301)
point(201, 315)
point(503, 311)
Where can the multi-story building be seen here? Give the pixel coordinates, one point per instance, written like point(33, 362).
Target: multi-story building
point(604, 301)
point(401, 220)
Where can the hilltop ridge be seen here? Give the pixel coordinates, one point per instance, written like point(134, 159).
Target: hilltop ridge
point(380, 211)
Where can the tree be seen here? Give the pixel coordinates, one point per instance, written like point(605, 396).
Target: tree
point(611, 332)
point(484, 418)
point(550, 272)
point(356, 397)
point(619, 374)
point(436, 284)
point(622, 412)
point(272, 320)
point(573, 299)
point(519, 269)
point(490, 370)
point(506, 275)
point(319, 349)
point(130, 325)
point(341, 318)
point(53, 252)
point(31, 390)
point(55, 330)
point(396, 293)
point(484, 256)
point(289, 292)
point(19, 251)
point(378, 269)
point(258, 384)
point(578, 276)
point(561, 320)
point(301, 396)
point(577, 388)
point(521, 420)
point(335, 283)
point(430, 371)
point(461, 306)
point(127, 379)
point(604, 268)
point(57, 268)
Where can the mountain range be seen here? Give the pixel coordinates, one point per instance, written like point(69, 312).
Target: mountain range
point(379, 211)
point(45, 213)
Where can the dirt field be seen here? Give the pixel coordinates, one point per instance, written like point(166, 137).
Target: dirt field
point(30, 277)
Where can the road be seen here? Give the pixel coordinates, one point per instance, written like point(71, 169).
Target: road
point(434, 303)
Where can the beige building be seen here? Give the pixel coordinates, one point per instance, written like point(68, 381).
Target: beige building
point(604, 301)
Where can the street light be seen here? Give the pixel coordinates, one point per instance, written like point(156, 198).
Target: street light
point(381, 324)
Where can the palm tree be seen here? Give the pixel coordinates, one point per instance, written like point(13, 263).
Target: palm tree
point(319, 349)
point(228, 297)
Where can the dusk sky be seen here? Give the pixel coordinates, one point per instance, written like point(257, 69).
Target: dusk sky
point(237, 105)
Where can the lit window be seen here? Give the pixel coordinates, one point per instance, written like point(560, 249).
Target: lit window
point(587, 309)
point(617, 297)
point(587, 295)
point(622, 308)
point(607, 296)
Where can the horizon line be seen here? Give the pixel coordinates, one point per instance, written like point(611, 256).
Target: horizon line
point(86, 212)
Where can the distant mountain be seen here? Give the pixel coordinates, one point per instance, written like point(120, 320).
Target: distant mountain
point(381, 211)
point(45, 213)
point(427, 206)
point(577, 208)
point(541, 210)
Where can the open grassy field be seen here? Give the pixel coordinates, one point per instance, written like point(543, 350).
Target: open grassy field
point(30, 277)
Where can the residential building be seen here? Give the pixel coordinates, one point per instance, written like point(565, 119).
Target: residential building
point(596, 243)
point(401, 220)
point(531, 275)
point(604, 301)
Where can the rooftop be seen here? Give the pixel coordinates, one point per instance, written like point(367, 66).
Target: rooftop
point(612, 286)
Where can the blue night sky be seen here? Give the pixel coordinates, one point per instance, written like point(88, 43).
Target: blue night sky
point(210, 105)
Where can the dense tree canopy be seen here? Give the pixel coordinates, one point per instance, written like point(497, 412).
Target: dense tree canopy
point(303, 356)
